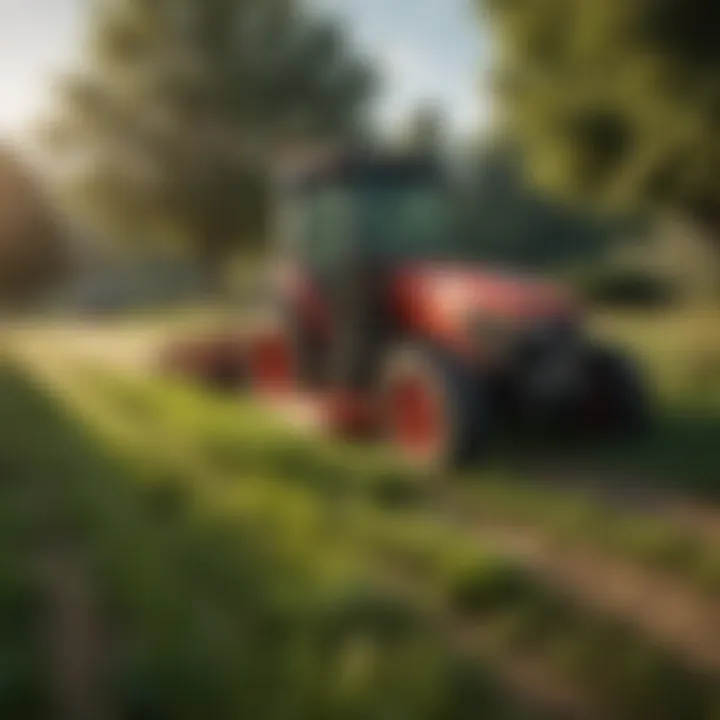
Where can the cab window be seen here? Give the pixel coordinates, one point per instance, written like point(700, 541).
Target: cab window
point(406, 223)
point(326, 227)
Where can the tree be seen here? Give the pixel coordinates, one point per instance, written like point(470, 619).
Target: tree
point(188, 105)
point(509, 221)
point(617, 101)
point(33, 251)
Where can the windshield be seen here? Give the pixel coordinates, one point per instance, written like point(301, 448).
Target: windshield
point(407, 223)
point(400, 223)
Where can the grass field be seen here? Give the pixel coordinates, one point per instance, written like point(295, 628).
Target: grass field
point(174, 554)
point(680, 354)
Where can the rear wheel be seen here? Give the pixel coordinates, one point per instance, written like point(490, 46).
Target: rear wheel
point(615, 401)
point(432, 408)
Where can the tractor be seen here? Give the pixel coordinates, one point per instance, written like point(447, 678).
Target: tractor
point(380, 321)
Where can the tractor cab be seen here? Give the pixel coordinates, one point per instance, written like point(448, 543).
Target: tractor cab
point(390, 210)
point(379, 237)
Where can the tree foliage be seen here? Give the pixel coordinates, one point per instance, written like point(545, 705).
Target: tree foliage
point(510, 222)
point(187, 104)
point(33, 251)
point(615, 100)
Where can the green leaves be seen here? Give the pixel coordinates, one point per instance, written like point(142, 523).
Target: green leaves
point(187, 105)
point(614, 101)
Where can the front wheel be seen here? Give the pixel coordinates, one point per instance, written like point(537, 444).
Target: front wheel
point(432, 408)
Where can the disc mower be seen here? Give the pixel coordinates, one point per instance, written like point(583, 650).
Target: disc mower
point(381, 321)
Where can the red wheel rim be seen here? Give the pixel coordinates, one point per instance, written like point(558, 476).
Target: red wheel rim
point(416, 417)
point(271, 365)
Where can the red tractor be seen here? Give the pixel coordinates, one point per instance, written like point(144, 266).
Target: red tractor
point(380, 317)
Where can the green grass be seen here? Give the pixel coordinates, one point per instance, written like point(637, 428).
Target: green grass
point(380, 509)
point(651, 541)
point(238, 599)
point(679, 353)
point(236, 435)
point(23, 522)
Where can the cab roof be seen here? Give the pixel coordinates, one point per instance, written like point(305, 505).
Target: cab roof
point(373, 169)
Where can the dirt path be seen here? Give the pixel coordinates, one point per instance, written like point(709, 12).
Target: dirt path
point(630, 493)
point(677, 617)
point(543, 690)
point(129, 350)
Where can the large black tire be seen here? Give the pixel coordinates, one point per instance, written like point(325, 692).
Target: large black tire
point(458, 396)
point(616, 401)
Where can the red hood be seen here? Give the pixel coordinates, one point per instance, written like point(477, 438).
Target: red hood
point(459, 288)
point(439, 300)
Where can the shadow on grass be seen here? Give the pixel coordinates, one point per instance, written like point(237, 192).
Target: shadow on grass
point(682, 451)
point(679, 454)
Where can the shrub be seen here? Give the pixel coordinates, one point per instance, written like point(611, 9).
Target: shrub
point(625, 287)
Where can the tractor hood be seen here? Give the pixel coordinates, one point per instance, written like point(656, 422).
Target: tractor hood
point(444, 298)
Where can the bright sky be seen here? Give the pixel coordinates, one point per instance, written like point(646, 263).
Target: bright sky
point(428, 51)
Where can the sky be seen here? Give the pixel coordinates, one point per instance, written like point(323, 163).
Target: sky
point(427, 51)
